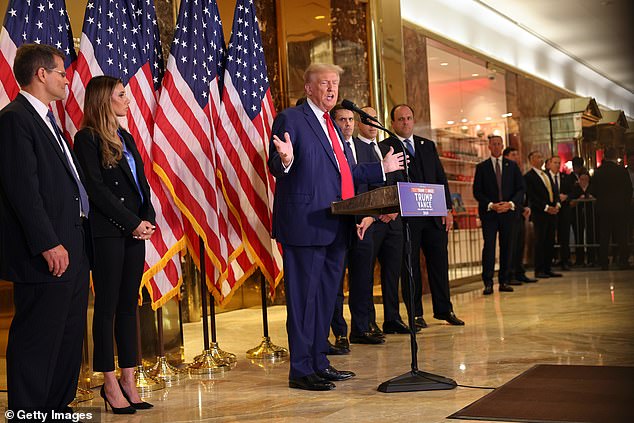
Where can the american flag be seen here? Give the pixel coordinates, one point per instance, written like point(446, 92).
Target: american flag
point(185, 148)
point(40, 22)
point(120, 38)
point(246, 116)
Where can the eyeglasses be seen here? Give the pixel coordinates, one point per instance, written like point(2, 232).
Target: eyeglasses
point(62, 73)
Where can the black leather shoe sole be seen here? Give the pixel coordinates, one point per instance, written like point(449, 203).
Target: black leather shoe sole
point(514, 283)
point(395, 327)
point(335, 375)
point(488, 290)
point(309, 385)
point(505, 288)
point(366, 339)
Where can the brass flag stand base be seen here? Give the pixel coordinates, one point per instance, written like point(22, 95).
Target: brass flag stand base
point(230, 358)
point(166, 372)
point(207, 363)
point(145, 383)
point(267, 351)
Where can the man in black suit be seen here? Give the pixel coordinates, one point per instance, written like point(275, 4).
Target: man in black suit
point(521, 215)
point(498, 187)
point(385, 236)
point(344, 119)
point(544, 204)
point(612, 187)
point(563, 186)
point(428, 234)
point(43, 206)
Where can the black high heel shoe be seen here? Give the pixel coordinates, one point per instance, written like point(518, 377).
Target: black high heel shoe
point(122, 410)
point(136, 405)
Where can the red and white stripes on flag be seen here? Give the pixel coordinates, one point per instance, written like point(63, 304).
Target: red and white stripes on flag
point(246, 115)
point(120, 39)
point(44, 23)
point(185, 146)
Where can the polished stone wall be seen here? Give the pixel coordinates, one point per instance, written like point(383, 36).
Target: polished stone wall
point(417, 78)
point(350, 49)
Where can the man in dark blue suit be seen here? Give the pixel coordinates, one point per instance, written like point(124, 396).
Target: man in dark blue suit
point(43, 243)
point(309, 160)
point(498, 186)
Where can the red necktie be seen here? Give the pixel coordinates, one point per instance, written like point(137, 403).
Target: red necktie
point(347, 186)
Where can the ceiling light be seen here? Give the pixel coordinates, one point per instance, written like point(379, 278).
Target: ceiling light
point(450, 122)
point(320, 17)
point(487, 118)
point(444, 64)
point(475, 74)
point(504, 115)
point(464, 120)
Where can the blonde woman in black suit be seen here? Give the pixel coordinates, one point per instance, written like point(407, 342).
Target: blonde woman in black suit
point(121, 219)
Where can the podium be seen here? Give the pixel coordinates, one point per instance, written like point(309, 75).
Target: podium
point(385, 200)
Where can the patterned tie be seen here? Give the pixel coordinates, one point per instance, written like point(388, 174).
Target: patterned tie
point(410, 146)
point(549, 187)
point(83, 195)
point(351, 160)
point(498, 178)
point(347, 186)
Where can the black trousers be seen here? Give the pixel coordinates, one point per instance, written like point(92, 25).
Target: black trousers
point(613, 225)
point(361, 272)
point(45, 342)
point(117, 273)
point(545, 226)
point(388, 248)
point(517, 246)
point(432, 241)
point(492, 225)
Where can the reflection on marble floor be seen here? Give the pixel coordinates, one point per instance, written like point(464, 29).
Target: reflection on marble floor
point(584, 318)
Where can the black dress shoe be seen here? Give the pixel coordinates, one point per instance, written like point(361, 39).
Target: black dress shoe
point(395, 326)
point(375, 330)
point(554, 275)
point(542, 275)
point(419, 322)
point(525, 279)
point(332, 374)
point(505, 288)
point(334, 350)
point(311, 383)
point(342, 343)
point(514, 282)
point(488, 290)
point(565, 267)
point(366, 338)
point(450, 318)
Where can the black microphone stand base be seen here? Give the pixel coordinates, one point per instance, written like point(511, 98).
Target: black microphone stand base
point(417, 380)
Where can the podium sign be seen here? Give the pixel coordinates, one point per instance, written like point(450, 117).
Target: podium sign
point(418, 200)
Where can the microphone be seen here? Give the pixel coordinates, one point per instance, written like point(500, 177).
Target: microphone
point(347, 104)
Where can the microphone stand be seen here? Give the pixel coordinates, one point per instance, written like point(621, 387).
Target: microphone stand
point(415, 380)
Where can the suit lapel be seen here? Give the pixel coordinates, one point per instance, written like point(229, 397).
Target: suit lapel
point(125, 167)
point(319, 132)
point(47, 133)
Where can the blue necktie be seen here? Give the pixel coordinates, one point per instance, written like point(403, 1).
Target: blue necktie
point(410, 146)
point(83, 195)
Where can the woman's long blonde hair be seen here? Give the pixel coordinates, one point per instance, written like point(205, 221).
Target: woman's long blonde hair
point(101, 118)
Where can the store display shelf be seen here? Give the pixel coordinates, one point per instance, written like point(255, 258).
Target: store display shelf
point(451, 181)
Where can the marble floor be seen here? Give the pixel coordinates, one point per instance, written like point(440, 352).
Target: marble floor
point(586, 317)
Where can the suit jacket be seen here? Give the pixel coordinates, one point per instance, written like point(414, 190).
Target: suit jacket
point(612, 187)
point(116, 205)
point(303, 195)
point(366, 154)
point(537, 193)
point(485, 189)
point(425, 167)
point(39, 198)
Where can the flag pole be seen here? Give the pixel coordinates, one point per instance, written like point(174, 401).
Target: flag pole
point(266, 350)
point(163, 369)
point(144, 382)
point(207, 362)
